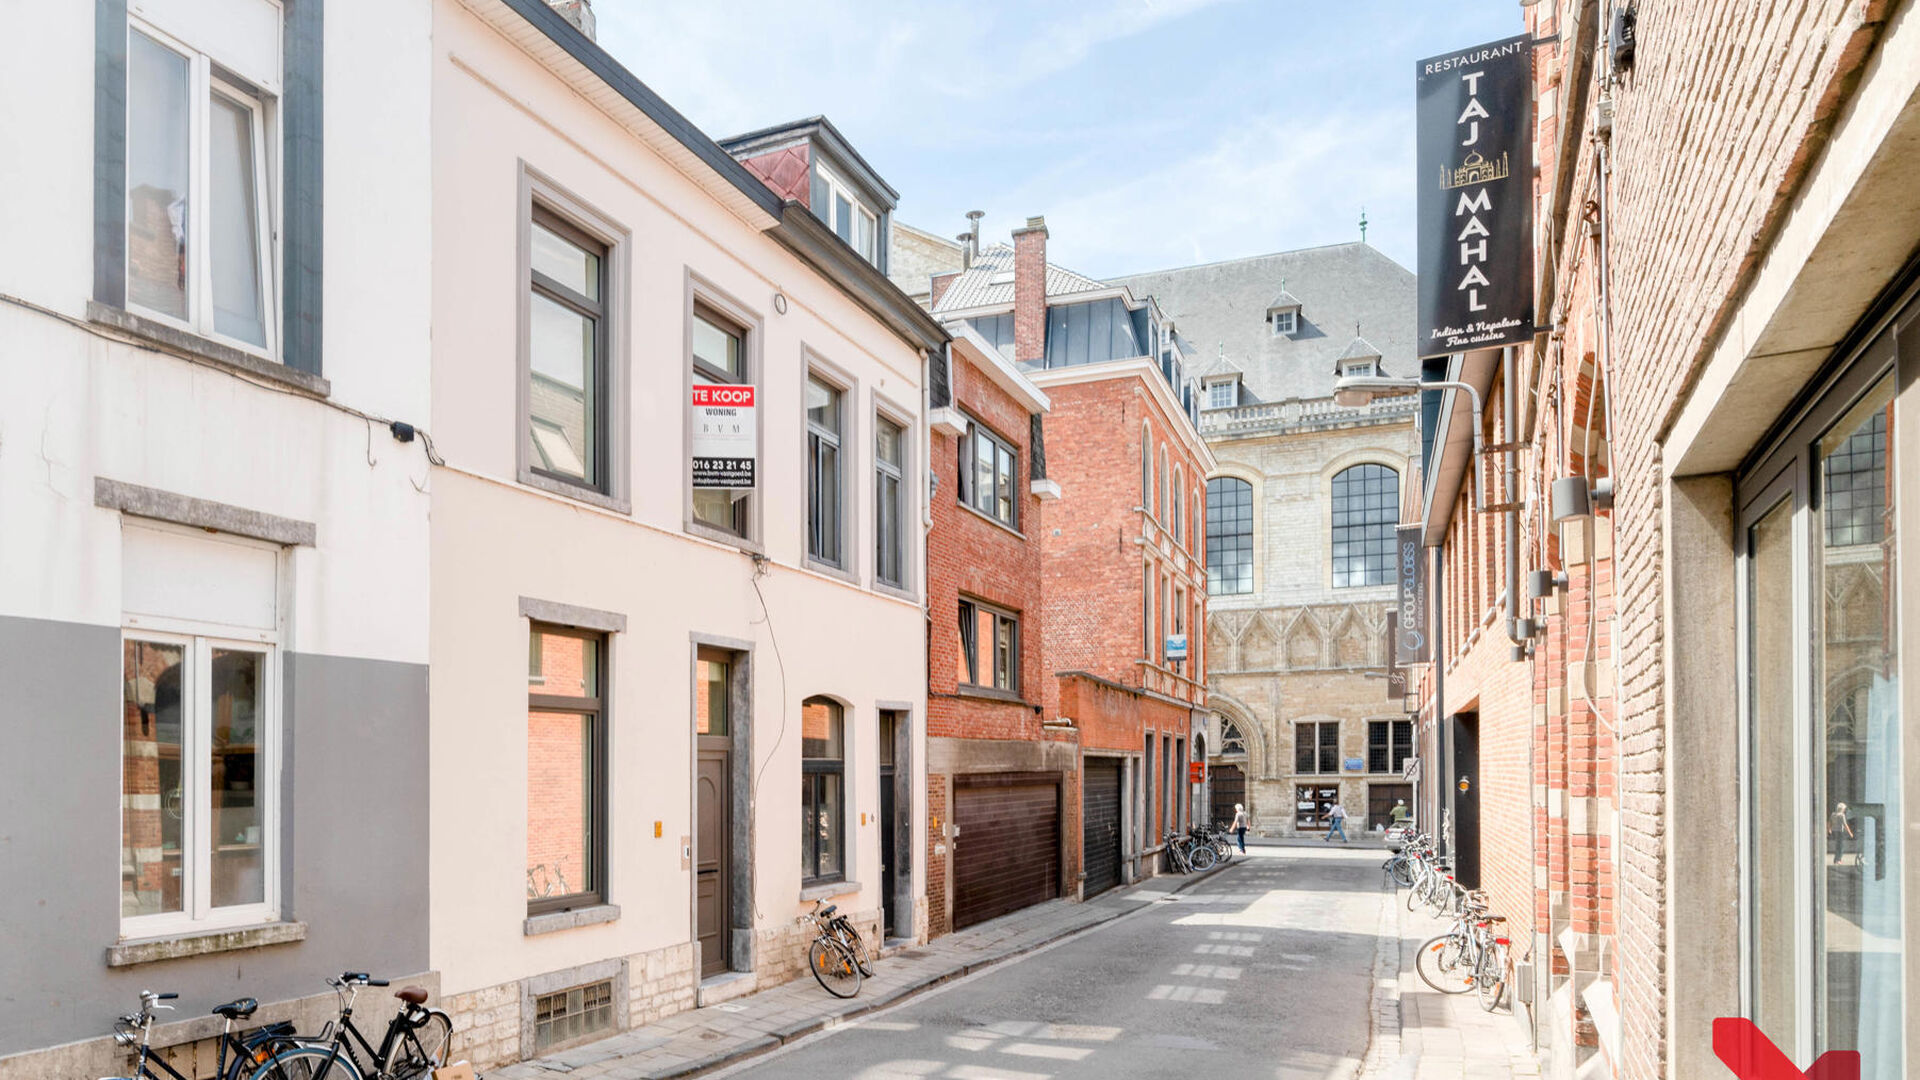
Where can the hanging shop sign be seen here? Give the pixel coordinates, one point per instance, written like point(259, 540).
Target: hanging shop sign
point(1475, 154)
point(725, 436)
point(1411, 644)
point(1176, 647)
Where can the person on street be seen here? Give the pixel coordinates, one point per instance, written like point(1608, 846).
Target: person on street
point(1336, 823)
point(1239, 826)
point(1400, 814)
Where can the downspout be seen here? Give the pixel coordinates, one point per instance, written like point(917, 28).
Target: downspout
point(1438, 570)
point(1509, 418)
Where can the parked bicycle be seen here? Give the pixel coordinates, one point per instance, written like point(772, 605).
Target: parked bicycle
point(1189, 854)
point(237, 1057)
point(838, 956)
point(1220, 840)
point(417, 1041)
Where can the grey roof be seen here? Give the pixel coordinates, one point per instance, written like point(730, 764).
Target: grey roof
point(990, 282)
point(1359, 349)
point(1341, 287)
point(1284, 300)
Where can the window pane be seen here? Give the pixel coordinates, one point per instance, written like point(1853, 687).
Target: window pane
point(568, 665)
point(566, 262)
point(823, 405)
point(239, 311)
point(153, 807)
point(1366, 507)
point(1003, 486)
point(827, 824)
point(823, 503)
point(239, 827)
point(887, 443)
point(843, 217)
point(1305, 746)
point(716, 347)
point(1003, 654)
point(1857, 920)
point(561, 345)
point(887, 529)
point(158, 125)
point(983, 634)
point(1229, 536)
point(710, 711)
point(820, 729)
point(722, 508)
point(968, 645)
point(983, 457)
point(559, 803)
point(863, 237)
point(1771, 709)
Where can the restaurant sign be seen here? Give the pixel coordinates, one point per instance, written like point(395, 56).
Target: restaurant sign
point(1475, 155)
point(1410, 642)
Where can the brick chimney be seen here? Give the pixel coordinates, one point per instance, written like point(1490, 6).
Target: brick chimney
point(1030, 291)
point(577, 12)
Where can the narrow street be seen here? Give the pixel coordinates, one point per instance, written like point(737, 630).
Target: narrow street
point(1266, 970)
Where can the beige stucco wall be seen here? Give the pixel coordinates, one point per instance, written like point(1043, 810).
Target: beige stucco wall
point(495, 540)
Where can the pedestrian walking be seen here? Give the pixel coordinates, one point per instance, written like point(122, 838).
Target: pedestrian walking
point(1840, 835)
point(1336, 823)
point(1239, 826)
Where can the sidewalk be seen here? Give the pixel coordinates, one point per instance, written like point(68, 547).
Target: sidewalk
point(1422, 1034)
point(700, 1040)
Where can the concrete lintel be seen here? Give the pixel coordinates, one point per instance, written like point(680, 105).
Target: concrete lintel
point(160, 505)
point(582, 618)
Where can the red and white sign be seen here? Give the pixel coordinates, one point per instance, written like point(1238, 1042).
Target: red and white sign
point(726, 435)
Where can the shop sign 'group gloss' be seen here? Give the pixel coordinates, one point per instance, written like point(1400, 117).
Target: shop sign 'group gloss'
point(1476, 208)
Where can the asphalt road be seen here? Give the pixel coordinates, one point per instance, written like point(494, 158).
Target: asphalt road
point(1266, 970)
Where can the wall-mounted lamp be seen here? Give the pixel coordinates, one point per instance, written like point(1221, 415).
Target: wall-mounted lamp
point(1572, 498)
point(1543, 583)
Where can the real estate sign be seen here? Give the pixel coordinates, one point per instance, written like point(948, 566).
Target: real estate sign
point(1475, 224)
point(726, 436)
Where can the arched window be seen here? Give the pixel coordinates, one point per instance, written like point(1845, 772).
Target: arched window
point(823, 815)
point(1146, 467)
point(1160, 493)
point(1229, 536)
point(1174, 500)
point(1366, 507)
point(1232, 743)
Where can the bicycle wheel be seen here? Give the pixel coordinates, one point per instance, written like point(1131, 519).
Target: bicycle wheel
point(834, 965)
point(856, 945)
point(1416, 892)
point(1400, 872)
point(1492, 976)
point(426, 1046)
point(1202, 857)
point(308, 1063)
point(1223, 849)
point(1439, 964)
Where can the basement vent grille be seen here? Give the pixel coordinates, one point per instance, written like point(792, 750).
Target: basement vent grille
point(572, 1016)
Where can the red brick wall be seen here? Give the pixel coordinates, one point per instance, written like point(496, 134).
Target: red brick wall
point(1030, 291)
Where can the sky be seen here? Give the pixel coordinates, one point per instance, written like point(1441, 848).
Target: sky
point(1150, 133)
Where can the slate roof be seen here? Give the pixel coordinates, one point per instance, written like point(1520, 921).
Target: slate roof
point(1345, 291)
point(1359, 349)
point(990, 282)
point(1284, 300)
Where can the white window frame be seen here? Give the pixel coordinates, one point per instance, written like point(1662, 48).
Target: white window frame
point(1232, 395)
point(862, 214)
point(1359, 368)
point(1285, 321)
point(199, 640)
point(202, 84)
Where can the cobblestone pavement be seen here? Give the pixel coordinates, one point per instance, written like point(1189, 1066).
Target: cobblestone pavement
point(700, 1040)
point(1422, 1034)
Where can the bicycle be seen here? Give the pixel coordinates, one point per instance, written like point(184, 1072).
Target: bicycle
point(1453, 962)
point(1494, 972)
point(1221, 843)
point(417, 1041)
point(136, 1030)
point(837, 956)
point(1188, 855)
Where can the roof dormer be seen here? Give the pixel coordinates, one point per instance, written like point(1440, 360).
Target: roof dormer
point(1283, 315)
point(811, 163)
point(1359, 358)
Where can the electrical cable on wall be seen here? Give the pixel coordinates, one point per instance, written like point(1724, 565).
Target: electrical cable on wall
point(761, 568)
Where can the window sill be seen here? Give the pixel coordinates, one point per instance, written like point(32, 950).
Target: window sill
point(896, 591)
point(820, 566)
point(989, 519)
point(203, 942)
point(552, 922)
point(827, 890)
point(175, 340)
point(990, 693)
point(696, 527)
point(576, 492)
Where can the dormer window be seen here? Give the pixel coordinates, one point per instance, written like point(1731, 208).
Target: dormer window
point(1224, 394)
point(1365, 368)
point(850, 220)
point(1285, 322)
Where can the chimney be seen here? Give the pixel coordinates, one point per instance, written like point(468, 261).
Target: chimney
point(577, 12)
point(966, 250)
point(1030, 291)
point(973, 230)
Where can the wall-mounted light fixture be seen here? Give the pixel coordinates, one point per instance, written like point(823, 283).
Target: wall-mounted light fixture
point(1573, 498)
point(1543, 583)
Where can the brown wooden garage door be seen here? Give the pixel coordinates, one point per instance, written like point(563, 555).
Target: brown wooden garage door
point(1007, 855)
point(1100, 820)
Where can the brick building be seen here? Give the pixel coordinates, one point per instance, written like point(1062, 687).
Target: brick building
point(1299, 522)
point(1122, 560)
point(1682, 736)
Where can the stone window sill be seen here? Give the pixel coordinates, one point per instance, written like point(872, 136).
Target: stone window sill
point(203, 942)
point(989, 693)
point(989, 519)
point(827, 890)
point(555, 921)
point(175, 340)
point(576, 492)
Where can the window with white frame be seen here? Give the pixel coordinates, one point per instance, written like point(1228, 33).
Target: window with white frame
point(1285, 321)
point(846, 215)
point(1223, 394)
point(826, 502)
point(1355, 368)
point(201, 212)
point(990, 474)
point(199, 752)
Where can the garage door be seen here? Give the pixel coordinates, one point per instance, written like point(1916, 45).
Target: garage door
point(1007, 855)
point(1100, 818)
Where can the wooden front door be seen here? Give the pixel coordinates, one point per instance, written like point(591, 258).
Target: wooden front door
point(711, 866)
point(1380, 800)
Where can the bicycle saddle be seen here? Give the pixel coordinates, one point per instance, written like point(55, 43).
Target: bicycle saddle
point(827, 912)
point(237, 1010)
point(412, 995)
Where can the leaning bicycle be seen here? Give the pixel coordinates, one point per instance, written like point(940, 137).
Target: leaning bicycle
point(417, 1041)
point(237, 1054)
point(838, 956)
point(1189, 855)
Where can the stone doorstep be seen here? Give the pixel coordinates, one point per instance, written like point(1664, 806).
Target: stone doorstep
point(672, 1058)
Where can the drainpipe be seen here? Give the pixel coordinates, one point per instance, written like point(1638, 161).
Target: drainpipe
point(1509, 411)
point(1438, 571)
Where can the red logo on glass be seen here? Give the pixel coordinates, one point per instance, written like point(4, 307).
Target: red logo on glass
point(1743, 1048)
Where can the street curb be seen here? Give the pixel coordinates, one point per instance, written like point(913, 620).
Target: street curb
point(801, 1029)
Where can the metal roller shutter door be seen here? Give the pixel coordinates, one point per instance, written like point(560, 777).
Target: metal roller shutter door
point(1007, 855)
point(1100, 818)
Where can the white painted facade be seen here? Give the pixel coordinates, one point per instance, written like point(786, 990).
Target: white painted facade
point(502, 116)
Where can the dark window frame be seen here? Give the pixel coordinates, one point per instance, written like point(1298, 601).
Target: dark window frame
point(896, 472)
point(967, 466)
point(1229, 536)
point(969, 622)
point(1312, 747)
point(1365, 509)
point(818, 436)
point(742, 509)
point(600, 313)
point(596, 709)
point(810, 800)
point(1389, 745)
